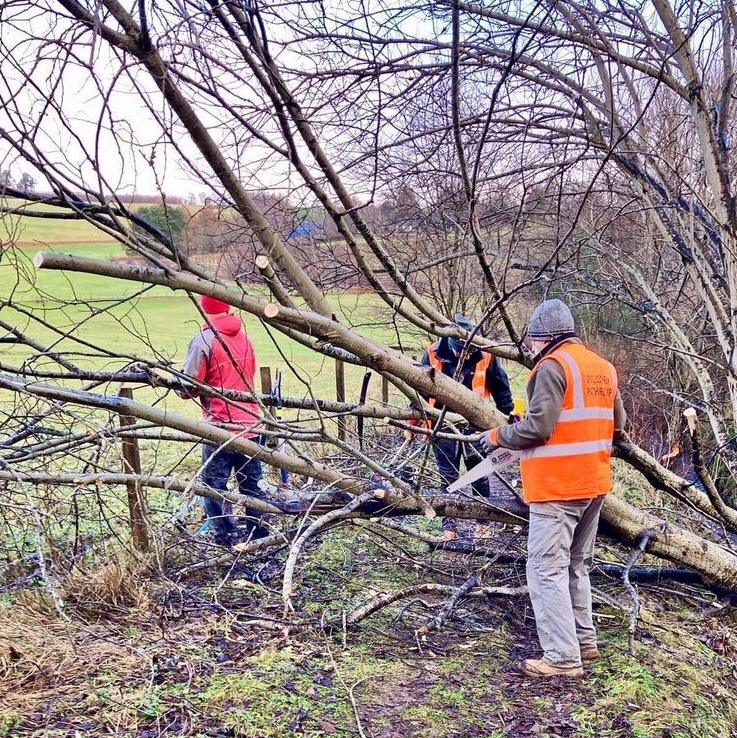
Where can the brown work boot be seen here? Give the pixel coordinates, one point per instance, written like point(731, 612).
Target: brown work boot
point(590, 654)
point(541, 668)
point(449, 535)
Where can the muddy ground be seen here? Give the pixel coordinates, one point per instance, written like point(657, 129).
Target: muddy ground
point(142, 653)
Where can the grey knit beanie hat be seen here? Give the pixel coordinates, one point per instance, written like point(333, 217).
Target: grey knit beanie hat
point(551, 319)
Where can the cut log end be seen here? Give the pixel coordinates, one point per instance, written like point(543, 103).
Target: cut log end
point(691, 418)
point(38, 260)
point(271, 310)
point(262, 261)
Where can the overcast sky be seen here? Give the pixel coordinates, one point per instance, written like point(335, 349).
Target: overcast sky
point(101, 125)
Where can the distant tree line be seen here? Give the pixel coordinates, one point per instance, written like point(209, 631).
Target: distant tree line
point(416, 223)
point(25, 183)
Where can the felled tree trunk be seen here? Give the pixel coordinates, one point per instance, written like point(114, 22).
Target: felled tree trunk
point(624, 521)
point(133, 35)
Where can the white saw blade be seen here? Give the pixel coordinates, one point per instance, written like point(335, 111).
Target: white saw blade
point(496, 460)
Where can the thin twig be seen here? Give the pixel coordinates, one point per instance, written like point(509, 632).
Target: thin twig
point(316, 526)
point(450, 605)
point(349, 689)
point(632, 588)
point(383, 599)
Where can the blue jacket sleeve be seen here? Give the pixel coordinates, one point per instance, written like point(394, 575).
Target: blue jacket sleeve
point(498, 383)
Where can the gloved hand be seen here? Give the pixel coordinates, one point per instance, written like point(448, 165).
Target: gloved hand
point(486, 443)
point(513, 418)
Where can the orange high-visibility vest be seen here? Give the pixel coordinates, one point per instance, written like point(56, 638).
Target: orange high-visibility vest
point(575, 463)
point(478, 383)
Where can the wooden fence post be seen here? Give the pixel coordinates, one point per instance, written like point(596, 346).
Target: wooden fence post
point(132, 465)
point(340, 395)
point(385, 390)
point(266, 386)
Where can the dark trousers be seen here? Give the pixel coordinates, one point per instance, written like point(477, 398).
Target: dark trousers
point(219, 464)
point(448, 454)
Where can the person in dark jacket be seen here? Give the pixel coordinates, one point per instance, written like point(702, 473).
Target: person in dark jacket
point(482, 373)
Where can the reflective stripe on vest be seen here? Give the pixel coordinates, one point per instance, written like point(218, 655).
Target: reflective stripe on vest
point(569, 449)
point(478, 383)
point(437, 365)
point(575, 463)
point(593, 413)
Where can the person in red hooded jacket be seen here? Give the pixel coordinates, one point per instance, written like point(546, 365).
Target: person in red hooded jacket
point(222, 357)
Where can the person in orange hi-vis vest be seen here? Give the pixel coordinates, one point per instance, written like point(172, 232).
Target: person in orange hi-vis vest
point(482, 373)
point(574, 410)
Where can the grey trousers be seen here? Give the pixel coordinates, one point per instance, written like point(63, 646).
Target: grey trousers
point(560, 553)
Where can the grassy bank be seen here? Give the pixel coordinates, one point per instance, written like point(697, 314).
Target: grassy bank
point(155, 324)
point(235, 669)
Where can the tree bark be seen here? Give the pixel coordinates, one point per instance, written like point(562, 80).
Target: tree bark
point(626, 522)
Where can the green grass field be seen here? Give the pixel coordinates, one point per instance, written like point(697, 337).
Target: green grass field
point(30, 231)
point(41, 232)
point(105, 324)
point(150, 323)
point(153, 323)
point(135, 322)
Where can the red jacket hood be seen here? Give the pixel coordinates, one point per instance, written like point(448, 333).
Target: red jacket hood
point(229, 325)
